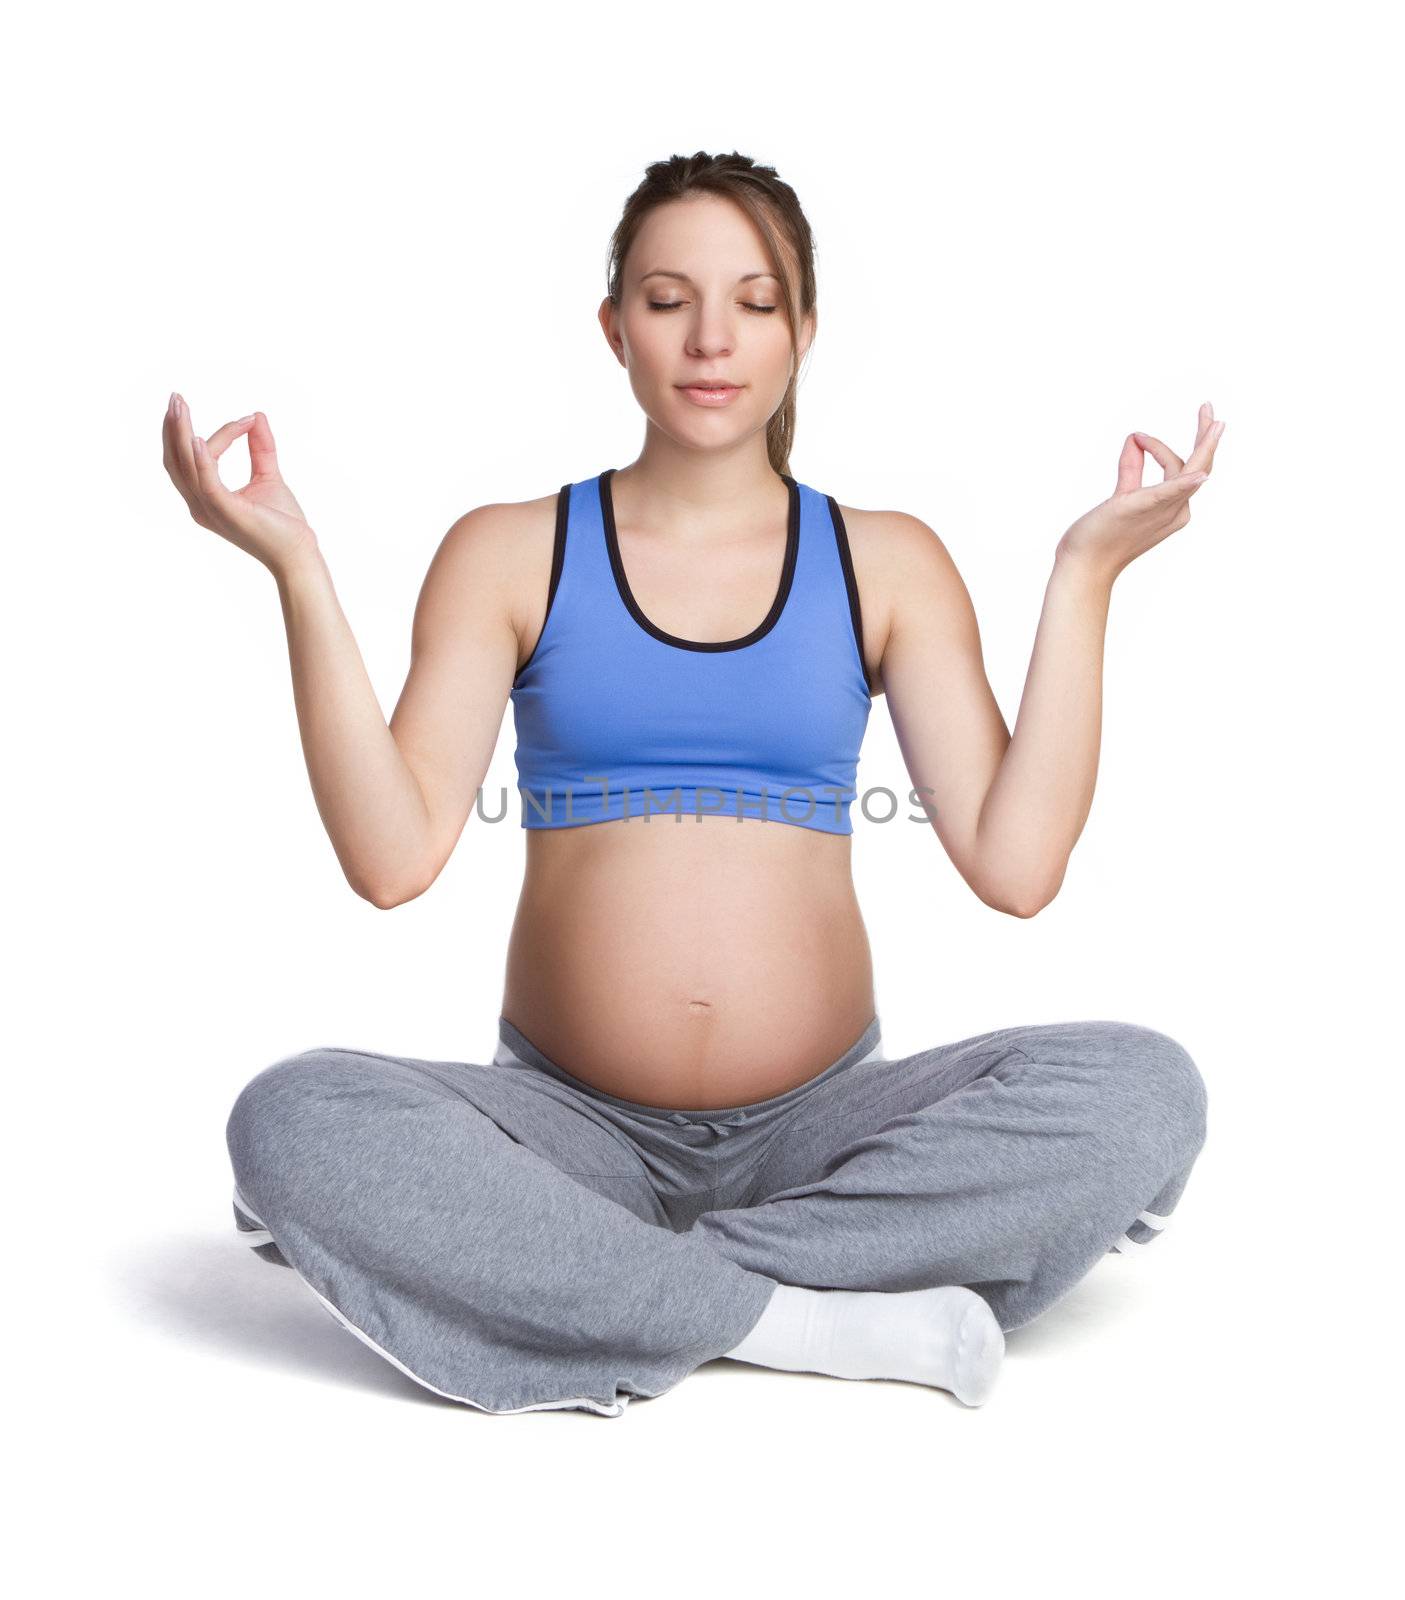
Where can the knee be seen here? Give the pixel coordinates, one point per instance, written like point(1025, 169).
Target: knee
point(1158, 1093)
point(268, 1127)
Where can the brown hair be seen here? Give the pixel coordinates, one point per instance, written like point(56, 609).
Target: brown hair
point(772, 205)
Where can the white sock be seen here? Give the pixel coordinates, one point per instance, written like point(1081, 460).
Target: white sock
point(947, 1337)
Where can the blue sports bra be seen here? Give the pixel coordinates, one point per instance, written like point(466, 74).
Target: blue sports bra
point(618, 719)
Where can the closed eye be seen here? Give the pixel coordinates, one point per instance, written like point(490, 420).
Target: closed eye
point(673, 305)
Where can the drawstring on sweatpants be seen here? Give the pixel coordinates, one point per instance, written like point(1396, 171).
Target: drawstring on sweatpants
point(719, 1125)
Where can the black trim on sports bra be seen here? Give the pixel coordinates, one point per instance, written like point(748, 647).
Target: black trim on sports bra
point(792, 547)
point(558, 558)
point(851, 583)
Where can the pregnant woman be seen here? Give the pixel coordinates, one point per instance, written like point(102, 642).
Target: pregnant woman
point(689, 1143)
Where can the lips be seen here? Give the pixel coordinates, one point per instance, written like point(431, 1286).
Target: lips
point(710, 394)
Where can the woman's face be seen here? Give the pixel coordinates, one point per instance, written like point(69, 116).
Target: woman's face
point(700, 303)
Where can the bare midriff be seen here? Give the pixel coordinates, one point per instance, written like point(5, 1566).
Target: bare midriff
point(689, 961)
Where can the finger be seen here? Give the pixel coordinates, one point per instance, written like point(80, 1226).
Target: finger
point(171, 462)
point(168, 444)
point(1129, 466)
point(221, 439)
point(1202, 457)
point(207, 477)
point(168, 436)
point(185, 458)
point(1169, 460)
point(1204, 419)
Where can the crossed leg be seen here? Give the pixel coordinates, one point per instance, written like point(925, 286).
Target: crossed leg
point(480, 1231)
point(1009, 1162)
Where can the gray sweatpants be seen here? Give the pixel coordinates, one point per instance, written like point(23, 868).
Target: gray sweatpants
point(514, 1239)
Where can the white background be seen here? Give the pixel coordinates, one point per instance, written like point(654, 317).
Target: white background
point(1039, 228)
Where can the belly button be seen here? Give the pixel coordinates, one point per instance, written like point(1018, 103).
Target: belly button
point(700, 1005)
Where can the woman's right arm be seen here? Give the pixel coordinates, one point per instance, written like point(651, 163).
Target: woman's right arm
point(394, 797)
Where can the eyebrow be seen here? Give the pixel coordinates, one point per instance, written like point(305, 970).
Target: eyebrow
point(664, 272)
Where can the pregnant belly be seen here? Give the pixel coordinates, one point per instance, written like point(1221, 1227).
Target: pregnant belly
point(693, 964)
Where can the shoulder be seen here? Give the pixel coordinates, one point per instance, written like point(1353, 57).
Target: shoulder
point(502, 542)
point(496, 556)
point(502, 533)
point(900, 563)
point(894, 543)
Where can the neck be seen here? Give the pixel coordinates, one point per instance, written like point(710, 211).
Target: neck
point(669, 480)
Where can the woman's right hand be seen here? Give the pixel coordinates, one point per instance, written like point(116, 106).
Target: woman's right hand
point(263, 517)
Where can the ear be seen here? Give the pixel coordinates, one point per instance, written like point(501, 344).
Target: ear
point(808, 326)
point(609, 322)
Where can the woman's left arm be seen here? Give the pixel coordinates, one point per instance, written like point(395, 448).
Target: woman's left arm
point(1013, 818)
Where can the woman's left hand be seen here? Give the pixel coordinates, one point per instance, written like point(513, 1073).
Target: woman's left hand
point(1138, 516)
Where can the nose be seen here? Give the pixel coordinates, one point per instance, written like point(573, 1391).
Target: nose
point(710, 335)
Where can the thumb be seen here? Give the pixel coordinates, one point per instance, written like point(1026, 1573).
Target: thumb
point(1169, 490)
point(263, 455)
